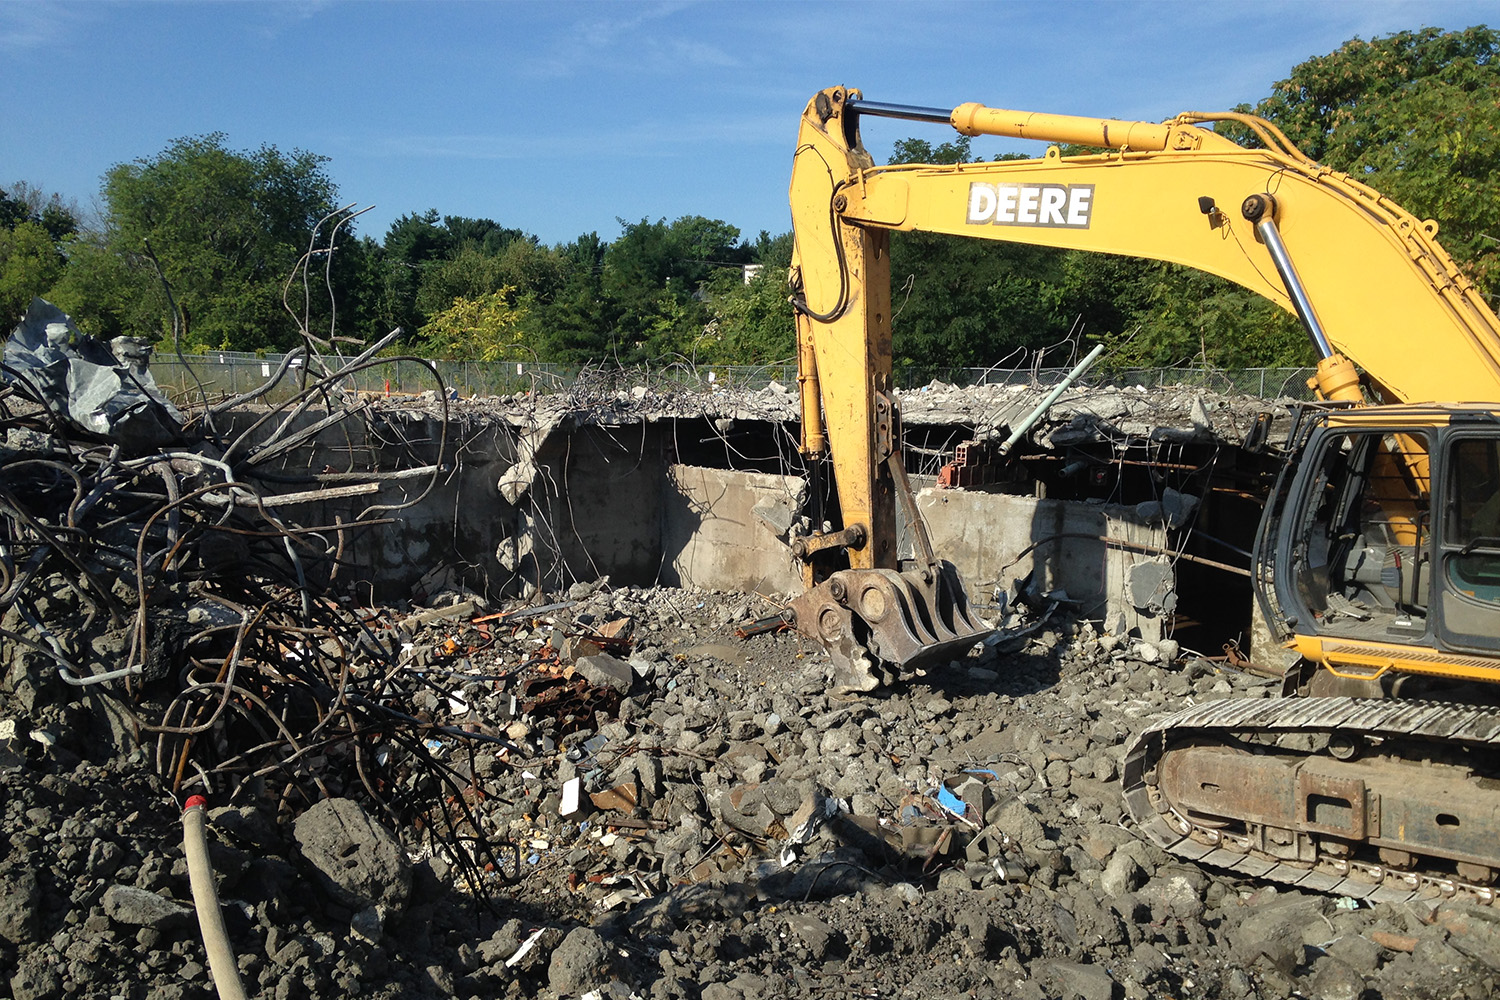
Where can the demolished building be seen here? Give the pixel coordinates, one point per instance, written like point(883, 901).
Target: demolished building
point(1125, 502)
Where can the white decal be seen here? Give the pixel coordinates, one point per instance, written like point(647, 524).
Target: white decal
point(1055, 206)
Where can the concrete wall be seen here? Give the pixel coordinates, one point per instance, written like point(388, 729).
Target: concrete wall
point(591, 502)
point(996, 540)
point(597, 503)
point(448, 536)
point(712, 536)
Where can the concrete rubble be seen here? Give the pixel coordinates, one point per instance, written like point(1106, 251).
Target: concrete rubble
point(1107, 412)
point(738, 834)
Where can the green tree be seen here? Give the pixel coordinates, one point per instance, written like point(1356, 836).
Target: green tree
point(228, 229)
point(572, 325)
point(484, 328)
point(34, 232)
point(653, 278)
point(468, 273)
point(29, 265)
point(1167, 314)
point(958, 301)
point(752, 321)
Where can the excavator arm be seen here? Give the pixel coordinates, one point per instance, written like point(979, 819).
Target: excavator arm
point(1177, 192)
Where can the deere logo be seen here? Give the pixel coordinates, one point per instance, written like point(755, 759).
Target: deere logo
point(1060, 206)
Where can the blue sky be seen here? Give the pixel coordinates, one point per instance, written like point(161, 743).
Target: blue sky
point(558, 118)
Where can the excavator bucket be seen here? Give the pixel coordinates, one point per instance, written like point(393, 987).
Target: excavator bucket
point(876, 623)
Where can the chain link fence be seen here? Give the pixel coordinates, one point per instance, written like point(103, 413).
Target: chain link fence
point(226, 373)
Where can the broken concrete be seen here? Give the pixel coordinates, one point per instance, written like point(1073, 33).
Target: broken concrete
point(663, 810)
point(353, 858)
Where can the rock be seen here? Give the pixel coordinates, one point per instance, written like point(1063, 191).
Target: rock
point(1018, 821)
point(1358, 952)
point(814, 934)
point(19, 896)
point(1473, 930)
point(603, 670)
point(952, 878)
point(1102, 841)
point(581, 962)
point(1335, 980)
point(356, 860)
point(368, 924)
point(1058, 774)
point(1275, 930)
point(36, 978)
point(1073, 979)
point(246, 825)
point(1176, 893)
point(1121, 875)
point(125, 904)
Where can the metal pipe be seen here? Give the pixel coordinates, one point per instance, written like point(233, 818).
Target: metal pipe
point(1260, 210)
point(1041, 408)
point(909, 112)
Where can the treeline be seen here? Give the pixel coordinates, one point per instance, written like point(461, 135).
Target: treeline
point(233, 236)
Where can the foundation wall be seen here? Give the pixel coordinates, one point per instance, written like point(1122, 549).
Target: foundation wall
point(591, 502)
point(998, 541)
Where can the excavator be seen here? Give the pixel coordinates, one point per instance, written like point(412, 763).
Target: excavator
point(1376, 774)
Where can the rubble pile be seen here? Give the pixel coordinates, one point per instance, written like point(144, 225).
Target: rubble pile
point(690, 814)
point(611, 397)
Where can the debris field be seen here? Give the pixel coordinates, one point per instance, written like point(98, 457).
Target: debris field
point(673, 811)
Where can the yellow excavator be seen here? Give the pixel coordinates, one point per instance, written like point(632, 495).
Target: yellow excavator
point(1377, 561)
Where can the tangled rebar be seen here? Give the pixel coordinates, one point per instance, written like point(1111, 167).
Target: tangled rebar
point(197, 587)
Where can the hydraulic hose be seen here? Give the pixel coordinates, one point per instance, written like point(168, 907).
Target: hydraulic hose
point(221, 958)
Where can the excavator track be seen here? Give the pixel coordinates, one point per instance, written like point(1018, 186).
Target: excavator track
point(1343, 771)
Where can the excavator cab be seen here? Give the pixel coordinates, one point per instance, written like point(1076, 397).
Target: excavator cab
point(1382, 544)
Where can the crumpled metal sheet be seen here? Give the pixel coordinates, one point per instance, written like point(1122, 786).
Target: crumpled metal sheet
point(107, 391)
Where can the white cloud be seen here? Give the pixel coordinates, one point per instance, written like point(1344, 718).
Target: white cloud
point(647, 40)
point(275, 18)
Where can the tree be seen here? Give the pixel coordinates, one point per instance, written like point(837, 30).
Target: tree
point(922, 151)
point(29, 265)
point(958, 301)
point(1168, 314)
point(227, 228)
point(752, 321)
point(34, 231)
point(571, 327)
point(484, 328)
point(468, 273)
point(653, 280)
